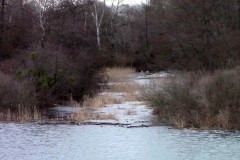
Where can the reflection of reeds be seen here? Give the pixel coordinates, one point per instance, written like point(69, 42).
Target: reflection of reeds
point(89, 115)
point(20, 114)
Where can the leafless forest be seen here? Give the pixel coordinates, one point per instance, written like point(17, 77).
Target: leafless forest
point(54, 50)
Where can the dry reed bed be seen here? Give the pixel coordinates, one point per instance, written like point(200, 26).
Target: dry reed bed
point(20, 114)
point(199, 100)
point(119, 77)
point(99, 101)
point(130, 87)
point(119, 74)
point(88, 107)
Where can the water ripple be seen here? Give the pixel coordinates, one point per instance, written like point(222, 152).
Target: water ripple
point(64, 142)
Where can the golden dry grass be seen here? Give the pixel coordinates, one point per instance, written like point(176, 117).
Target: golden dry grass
point(88, 115)
point(99, 101)
point(119, 77)
point(130, 97)
point(118, 74)
point(130, 87)
point(20, 114)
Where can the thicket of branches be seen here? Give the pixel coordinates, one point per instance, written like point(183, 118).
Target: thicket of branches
point(195, 34)
point(57, 43)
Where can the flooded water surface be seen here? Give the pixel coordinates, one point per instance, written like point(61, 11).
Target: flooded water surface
point(66, 142)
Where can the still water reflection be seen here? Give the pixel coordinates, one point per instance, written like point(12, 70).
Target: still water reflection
point(65, 142)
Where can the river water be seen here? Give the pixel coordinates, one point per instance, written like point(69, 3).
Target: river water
point(66, 142)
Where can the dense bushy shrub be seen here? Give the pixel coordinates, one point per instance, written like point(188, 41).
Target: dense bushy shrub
point(59, 76)
point(199, 100)
point(16, 92)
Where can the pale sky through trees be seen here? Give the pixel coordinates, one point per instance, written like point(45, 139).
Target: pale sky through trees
point(130, 2)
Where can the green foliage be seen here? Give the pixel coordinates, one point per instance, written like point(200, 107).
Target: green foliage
point(71, 79)
point(19, 73)
point(60, 73)
point(58, 80)
point(44, 81)
point(34, 55)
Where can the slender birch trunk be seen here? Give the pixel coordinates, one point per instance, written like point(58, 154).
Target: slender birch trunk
point(98, 23)
point(2, 20)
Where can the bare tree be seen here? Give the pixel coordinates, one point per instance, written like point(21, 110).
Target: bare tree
point(3, 4)
point(238, 3)
point(42, 8)
point(97, 12)
point(115, 23)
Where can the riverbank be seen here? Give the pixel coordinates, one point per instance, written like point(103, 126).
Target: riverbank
point(201, 100)
point(117, 103)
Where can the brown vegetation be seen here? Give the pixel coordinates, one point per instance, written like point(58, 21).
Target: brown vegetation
point(128, 87)
point(99, 101)
point(119, 82)
point(199, 100)
point(21, 114)
point(119, 74)
point(83, 116)
point(52, 51)
point(14, 92)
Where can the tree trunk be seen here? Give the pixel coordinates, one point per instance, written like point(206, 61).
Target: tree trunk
point(98, 37)
point(146, 21)
point(41, 23)
point(2, 20)
point(97, 28)
point(98, 22)
point(85, 22)
point(238, 1)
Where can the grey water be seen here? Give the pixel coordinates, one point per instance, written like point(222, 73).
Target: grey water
point(66, 142)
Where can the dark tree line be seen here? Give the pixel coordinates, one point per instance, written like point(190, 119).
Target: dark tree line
point(197, 34)
point(62, 45)
point(163, 34)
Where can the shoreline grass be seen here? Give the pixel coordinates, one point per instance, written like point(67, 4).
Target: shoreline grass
point(199, 100)
point(21, 114)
